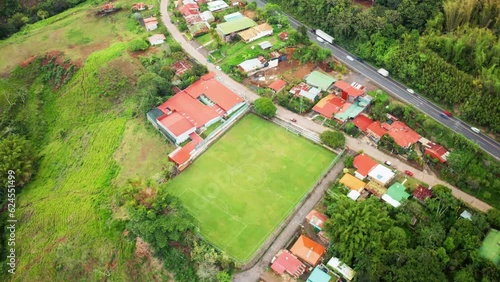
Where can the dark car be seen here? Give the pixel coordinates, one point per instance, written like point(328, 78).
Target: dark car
point(443, 115)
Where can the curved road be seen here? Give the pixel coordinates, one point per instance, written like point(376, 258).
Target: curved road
point(399, 91)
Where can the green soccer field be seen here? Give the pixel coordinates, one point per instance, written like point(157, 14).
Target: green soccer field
point(242, 187)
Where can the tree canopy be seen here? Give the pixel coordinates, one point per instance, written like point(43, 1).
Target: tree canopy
point(265, 107)
point(333, 139)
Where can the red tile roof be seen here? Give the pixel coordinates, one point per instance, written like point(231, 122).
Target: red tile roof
point(436, 151)
point(402, 134)
point(182, 155)
point(308, 250)
point(330, 105)
point(215, 91)
point(277, 85)
point(316, 219)
point(422, 193)
point(192, 109)
point(189, 9)
point(376, 129)
point(176, 123)
point(192, 19)
point(289, 263)
point(301, 86)
point(349, 89)
point(362, 122)
point(181, 67)
point(283, 35)
point(139, 6)
point(364, 164)
point(150, 20)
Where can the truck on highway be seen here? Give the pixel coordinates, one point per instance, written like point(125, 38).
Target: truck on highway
point(324, 36)
point(383, 72)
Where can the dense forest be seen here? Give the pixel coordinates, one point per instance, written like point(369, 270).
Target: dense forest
point(447, 50)
point(14, 14)
point(426, 241)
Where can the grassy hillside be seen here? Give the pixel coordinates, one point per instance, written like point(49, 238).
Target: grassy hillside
point(90, 141)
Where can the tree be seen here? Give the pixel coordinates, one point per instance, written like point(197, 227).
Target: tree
point(137, 45)
point(17, 154)
point(265, 107)
point(333, 139)
point(348, 161)
point(493, 217)
point(356, 228)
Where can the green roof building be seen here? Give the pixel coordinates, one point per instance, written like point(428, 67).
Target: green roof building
point(395, 194)
point(320, 80)
point(225, 30)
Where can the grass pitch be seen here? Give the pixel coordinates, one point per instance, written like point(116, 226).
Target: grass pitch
point(242, 187)
point(491, 246)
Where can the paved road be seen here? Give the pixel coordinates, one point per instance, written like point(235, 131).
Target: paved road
point(258, 269)
point(399, 91)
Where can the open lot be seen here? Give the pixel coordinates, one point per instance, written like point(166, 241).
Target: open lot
point(248, 182)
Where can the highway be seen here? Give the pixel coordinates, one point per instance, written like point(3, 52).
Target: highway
point(400, 92)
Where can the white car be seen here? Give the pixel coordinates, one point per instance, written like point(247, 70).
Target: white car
point(320, 40)
point(388, 163)
point(217, 67)
point(475, 129)
point(410, 91)
point(350, 58)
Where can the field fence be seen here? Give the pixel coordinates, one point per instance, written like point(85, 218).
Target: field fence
point(200, 148)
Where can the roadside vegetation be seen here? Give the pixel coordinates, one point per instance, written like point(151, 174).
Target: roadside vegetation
point(446, 50)
point(426, 241)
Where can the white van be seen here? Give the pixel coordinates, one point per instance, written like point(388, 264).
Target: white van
point(475, 129)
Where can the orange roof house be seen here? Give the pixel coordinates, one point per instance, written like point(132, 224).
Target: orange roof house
point(436, 151)
point(180, 67)
point(364, 164)
point(316, 219)
point(308, 250)
point(362, 122)
point(349, 92)
point(283, 36)
point(401, 133)
point(139, 6)
point(330, 105)
point(277, 85)
point(422, 193)
point(286, 262)
point(376, 131)
point(150, 23)
point(352, 182)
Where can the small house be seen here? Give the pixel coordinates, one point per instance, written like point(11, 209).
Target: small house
point(318, 275)
point(284, 261)
point(277, 85)
point(265, 45)
point(151, 23)
point(422, 193)
point(139, 6)
point(316, 219)
point(364, 164)
point(229, 29)
point(252, 64)
point(362, 122)
point(343, 269)
point(381, 174)
point(283, 36)
point(395, 194)
point(217, 5)
point(256, 32)
point(376, 189)
point(330, 105)
point(352, 182)
point(436, 151)
point(207, 16)
point(304, 90)
point(320, 80)
point(156, 39)
point(308, 250)
point(233, 16)
point(349, 92)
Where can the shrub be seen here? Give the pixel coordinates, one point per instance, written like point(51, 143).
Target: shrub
point(138, 45)
point(333, 139)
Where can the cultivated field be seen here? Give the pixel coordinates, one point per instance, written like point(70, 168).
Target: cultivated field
point(248, 182)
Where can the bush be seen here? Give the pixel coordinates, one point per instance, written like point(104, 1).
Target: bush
point(348, 161)
point(333, 139)
point(137, 45)
point(493, 217)
point(265, 107)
